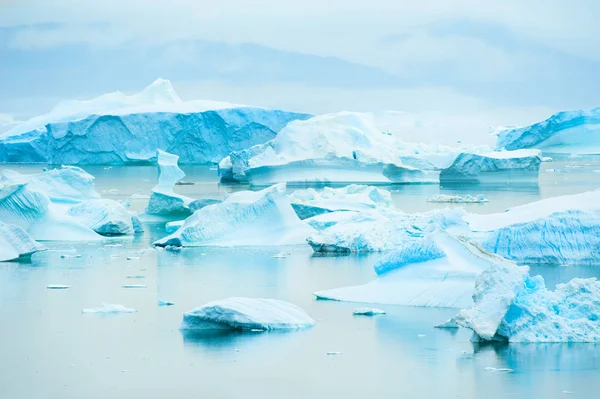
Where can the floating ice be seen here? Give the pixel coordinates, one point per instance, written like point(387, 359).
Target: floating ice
point(437, 271)
point(458, 199)
point(498, 370)
point(109, 308)
point(119, 129)
point(367, 312)
point(574, 132)
point(163, 200)
point(104, 216)
point(263, 218)
point(450, 323)
point(165, 303)
point(247, 314)
point(58, 287)
point(308, 203)
point(494, 167)
point(15, 243)
point(134, 286)
point(68, 256)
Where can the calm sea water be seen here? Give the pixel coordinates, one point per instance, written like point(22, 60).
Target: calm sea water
point(49, 349)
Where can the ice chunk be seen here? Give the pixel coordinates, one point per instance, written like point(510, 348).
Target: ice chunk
point(15, 244)
point(308, 203)
point(104, 216)
point(109, 308)
point(443, 279)
point(58, 287)
point(459, 199)
point(246, 314)
point(134, 286)
point(138, 226)
point(450, 323)
point(163, 200)
point(367, 312)
point(574, 132)
point(505, 166)
point(165, 303)
point(119, 129)
point(495, 290)
point(371, 231)
point(263, 218)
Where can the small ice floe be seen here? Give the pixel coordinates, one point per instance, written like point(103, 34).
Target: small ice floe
point(172, 248)
point(596, 171)
point(550, 170)
point(213, 168)
point(459, 199)
point(133, 258)
point(108, 167)
point(112, 245)
point(450, 323)
point(137, 277)
point(281, 255)
point(368, 312)
point(568, 392)
point(333, 353)
point(546, 159)
point(165, 303)
point(58, 286)
point(139, 196)
point(113, 190)
point(68, 256)
point(184, 183)
point(421, 336)
point(109, 308)
point(134, 286)
point(499, 370)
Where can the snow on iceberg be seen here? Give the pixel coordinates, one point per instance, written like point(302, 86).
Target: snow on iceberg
point(558, 230)
point(163, 200)
point(15, 243)
point(345, 147)
point(246, 314)
point(437, 271)
point(355, 197)
point(511, 305)
point(574, 132)
point(458, 199)
point(104, 216)
point(119, 129)
point(505, 166)
point(372, 231)
point(42, 220)
point(67, 184)
point(250, 218)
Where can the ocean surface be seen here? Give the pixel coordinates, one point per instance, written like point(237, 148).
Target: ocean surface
point(50, 349)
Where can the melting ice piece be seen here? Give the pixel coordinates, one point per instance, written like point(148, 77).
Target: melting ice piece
point(104, 216)
point(109, 308)
point(68, 256)
point(450, 323)
point(367, 312)
point(247, 314)
point(498, 370)
point(437, 271)
point(165, 303)
point(15, 244)
point(58, 286)
point(248, 218)
point(134, 286)
point(163, 200)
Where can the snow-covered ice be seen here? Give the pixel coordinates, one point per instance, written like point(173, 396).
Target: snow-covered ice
point(104, 216)
point(119, 129)
point(436, 271)
point(494, 167)
point(458, 199)
point(163, 200)
point(263, 218)
point(108, 308)
point(354, 197)
point(15, 243)
point(574, 132)
point(247, 314)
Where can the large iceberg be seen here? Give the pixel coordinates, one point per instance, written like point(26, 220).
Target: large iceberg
point(344, 147)
point(246, 314)
point(163, 200)
point(511, 305)
point(437, 271)
point(105, 216)
point(372, 231)
point(558, 230)
point(308, 203)
point(500, 166)
point(573, 132)
point(262, 218)
point(119, 129)
point(15, 243)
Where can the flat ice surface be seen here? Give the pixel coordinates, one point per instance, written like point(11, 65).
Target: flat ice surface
point(247, 314)
point(108, 308)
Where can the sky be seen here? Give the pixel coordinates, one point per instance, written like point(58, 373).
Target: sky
point(509, 62)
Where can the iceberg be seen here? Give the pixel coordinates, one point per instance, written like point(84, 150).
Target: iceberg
point(104, 216)
point(308, 203)
point(458, 199)
point(344, 147)
point(367, 312)
point(511, 305)
point(436, 271)
point(559, 230)
point(15, 243)
point(119, 129)
point(163, 200)
point(246, 314)
point(494, 167)
point(374, 231)
point(572, 132)
point(262, 218)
